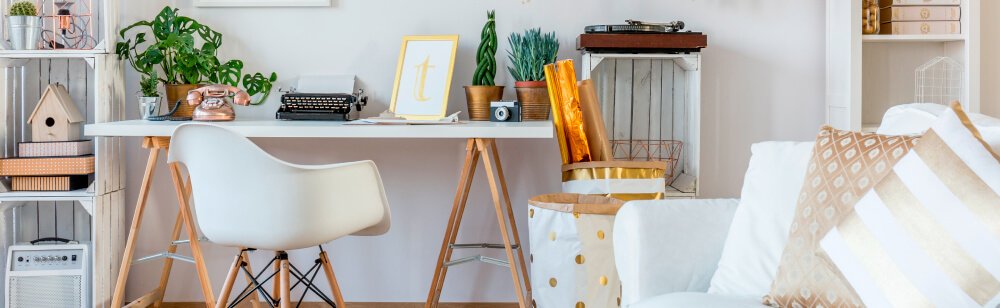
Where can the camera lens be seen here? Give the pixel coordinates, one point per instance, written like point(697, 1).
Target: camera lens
point(502, 114)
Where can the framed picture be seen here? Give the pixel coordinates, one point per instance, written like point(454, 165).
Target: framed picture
point(259, 3)
point(423, 76)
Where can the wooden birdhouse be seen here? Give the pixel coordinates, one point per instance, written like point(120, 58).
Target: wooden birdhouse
point(56, 117)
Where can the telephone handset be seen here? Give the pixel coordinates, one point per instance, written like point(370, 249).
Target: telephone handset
point(212, 102)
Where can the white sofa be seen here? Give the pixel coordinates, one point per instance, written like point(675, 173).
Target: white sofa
point(668, 251)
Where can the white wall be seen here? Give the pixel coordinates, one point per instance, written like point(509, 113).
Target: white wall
point(763, 80)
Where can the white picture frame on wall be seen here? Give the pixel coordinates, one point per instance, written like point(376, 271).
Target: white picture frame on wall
point(261, 3)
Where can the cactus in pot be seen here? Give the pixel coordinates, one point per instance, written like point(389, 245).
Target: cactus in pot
point(484, 89)
point(24, 25)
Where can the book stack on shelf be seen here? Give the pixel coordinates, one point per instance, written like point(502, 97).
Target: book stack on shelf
point(56, 159)
point(920, 17)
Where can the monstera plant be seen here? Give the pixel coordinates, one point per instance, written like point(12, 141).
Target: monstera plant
point(185, 53)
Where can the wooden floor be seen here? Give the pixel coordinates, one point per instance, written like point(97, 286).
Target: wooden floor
point(367, 305)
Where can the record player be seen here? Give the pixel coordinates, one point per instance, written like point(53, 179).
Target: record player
point(321, 106)
point(641, 37)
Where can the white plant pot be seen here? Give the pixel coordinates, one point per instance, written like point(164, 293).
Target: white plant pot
point(24, 32)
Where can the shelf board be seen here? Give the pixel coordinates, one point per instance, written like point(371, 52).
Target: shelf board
point(74, 195)
point(885, 38)
point(51, 54)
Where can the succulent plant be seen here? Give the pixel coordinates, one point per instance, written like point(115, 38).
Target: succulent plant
point(148, 85)
point(23, 8)
point(530, 52)
point(486, 61)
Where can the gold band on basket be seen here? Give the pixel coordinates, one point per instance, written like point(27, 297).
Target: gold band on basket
point(612, 173)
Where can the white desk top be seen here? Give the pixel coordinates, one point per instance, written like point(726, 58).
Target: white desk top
point(332, 129)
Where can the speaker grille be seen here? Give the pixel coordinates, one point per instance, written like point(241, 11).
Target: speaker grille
point(46, 291)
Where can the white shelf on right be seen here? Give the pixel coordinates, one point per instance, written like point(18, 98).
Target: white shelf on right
point(892, 38)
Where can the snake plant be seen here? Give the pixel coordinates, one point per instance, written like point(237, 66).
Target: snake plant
point(529, 52)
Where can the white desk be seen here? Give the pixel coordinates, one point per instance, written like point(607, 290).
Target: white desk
point(480, 144)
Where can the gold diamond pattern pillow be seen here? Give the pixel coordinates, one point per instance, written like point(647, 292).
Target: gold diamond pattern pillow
point(928, 234)
point(844, 166)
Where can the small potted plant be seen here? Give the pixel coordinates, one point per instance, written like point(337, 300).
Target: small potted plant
point(24, 25)
point(528, 54)
point(483, 89)
point(149, 96)
point(168, 44)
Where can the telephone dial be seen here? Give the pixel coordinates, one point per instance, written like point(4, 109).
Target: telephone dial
point(212, 102)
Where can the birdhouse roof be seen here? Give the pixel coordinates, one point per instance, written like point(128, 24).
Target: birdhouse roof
point(56, 93)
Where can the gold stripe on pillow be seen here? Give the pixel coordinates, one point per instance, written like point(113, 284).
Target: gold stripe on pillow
point(876, 261)
point(960, 179)
point(935, 241)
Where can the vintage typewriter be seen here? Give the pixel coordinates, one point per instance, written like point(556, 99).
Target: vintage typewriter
point(321, 106)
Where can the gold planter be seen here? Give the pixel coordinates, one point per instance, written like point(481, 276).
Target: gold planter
point(178, 92)
point(534, 98)
point(479, 98)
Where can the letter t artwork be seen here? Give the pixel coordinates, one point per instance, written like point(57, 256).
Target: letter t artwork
point(421, 81)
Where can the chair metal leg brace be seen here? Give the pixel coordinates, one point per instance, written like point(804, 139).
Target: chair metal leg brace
point(306, 279)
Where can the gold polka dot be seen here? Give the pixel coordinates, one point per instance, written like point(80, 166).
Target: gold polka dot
point(552, 236)
point(552, 282)
point(576, 215)
point(580, 259)
point(600, 234)
point(531, 213)
point(619, 301)
point(580, 305)
point(604, 280)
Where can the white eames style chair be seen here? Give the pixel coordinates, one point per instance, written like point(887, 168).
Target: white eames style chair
point(246, 198)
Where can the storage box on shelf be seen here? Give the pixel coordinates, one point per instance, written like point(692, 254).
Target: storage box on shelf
point(868, 74)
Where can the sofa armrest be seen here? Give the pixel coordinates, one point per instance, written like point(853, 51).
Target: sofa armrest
point(665, 246)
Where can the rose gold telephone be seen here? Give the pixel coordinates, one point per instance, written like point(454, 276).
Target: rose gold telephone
point(212, 102)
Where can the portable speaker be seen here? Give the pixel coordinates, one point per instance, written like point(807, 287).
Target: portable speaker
point(56, 275)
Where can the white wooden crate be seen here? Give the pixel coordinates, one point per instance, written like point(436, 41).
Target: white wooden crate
point(652, 97)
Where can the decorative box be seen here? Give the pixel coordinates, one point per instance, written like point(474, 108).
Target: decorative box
point(886, 3)
point(49, 183)
point(47, 166)
point(624, 180)
point(921, 27)
point(921, 13)
point(55, 149)
point(572, 256)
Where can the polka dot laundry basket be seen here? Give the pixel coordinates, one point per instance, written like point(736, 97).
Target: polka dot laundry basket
point(572, 258)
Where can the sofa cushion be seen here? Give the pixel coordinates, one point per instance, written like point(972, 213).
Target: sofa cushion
point(760, 225)
point(696, 299)
point(914, 119)
point(843, 167)
point(928, 234)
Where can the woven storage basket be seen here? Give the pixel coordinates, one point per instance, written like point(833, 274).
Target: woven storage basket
point(572, 257)
point(625, 180)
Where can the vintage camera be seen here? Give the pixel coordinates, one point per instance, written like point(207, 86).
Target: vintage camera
point(505, 111)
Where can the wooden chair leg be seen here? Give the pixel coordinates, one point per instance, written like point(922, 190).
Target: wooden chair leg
point(276, 286)
point(255, 298)
point(227, 286)
point(286, 298)
point(332, 279)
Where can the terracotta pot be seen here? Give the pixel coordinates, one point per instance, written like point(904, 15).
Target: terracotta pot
point(178, 92)
point(479, 98)
point(534, 98)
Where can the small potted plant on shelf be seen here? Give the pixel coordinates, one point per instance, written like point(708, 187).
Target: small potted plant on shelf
point(528, 54)
point(483, 89)
point(168, 42)
point(24, 25)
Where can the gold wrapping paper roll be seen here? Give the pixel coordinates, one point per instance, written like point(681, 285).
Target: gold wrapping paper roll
point(552, 80)
point(597, 137)
point(576, 136)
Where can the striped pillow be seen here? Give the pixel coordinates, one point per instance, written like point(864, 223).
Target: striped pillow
point(928, 234)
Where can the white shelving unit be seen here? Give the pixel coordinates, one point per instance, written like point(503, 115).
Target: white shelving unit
point(95, 215)
point(868, 74)
point(653, 97)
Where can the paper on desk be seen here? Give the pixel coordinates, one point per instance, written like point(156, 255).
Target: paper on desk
point(451, 119)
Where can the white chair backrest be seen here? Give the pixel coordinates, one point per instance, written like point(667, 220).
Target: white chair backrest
point(243, 196)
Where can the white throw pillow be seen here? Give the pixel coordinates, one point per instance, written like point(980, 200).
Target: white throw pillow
point(914, 119)
point(761, 223)
point(928, 234)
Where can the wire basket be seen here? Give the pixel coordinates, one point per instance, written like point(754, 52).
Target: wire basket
point(939, 81)
point(668, 151)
